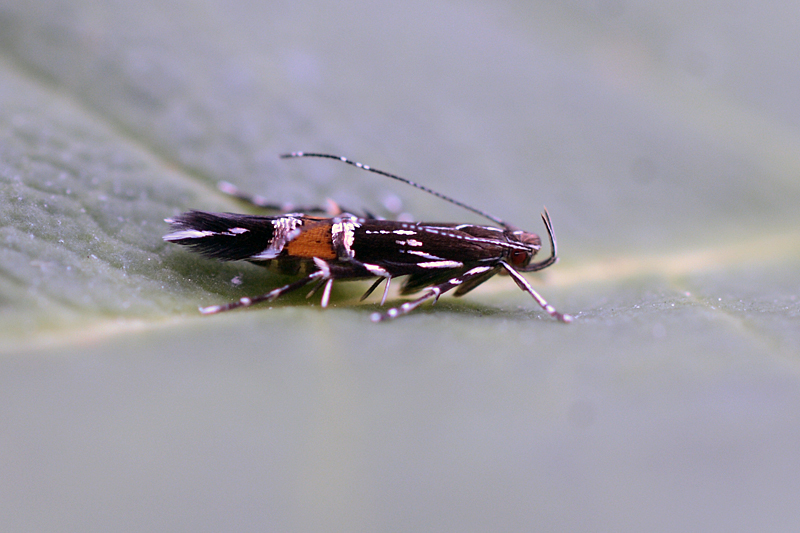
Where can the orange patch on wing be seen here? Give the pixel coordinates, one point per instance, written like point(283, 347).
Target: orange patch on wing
point(314, 241)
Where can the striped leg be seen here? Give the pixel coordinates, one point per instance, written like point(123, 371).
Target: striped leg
point(270, 296)
point(432, 293)
point(523, 284)
point(323, 275)
point(332, 209)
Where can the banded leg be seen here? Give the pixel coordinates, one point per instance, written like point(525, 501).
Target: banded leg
point(332, 209)
point(323, 274)
point(432, 293)
point(364, 270)
point(523, 284)
point(270, 296)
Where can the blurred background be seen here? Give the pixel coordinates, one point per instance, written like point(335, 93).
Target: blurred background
point(664, 140)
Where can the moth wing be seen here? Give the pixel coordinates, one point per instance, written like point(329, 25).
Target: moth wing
point(224, 236)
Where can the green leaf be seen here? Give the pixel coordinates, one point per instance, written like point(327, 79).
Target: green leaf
point(663, 142)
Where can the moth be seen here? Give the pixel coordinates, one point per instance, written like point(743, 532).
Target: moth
point(327, 245)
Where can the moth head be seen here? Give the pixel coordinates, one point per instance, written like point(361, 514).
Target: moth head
point(520, 256)
point(520, 259)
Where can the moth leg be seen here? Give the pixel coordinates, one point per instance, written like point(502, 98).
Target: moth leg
point(523, 284)
point(432, 293)
point(375, 286)
point(332, 209)
point(471, 284)
point(317, 286)
point(368, 269)
point(325, 279)
point(326, 293)
point(270, 296)
point(371, 288)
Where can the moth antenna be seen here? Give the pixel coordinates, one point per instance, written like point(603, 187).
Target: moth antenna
point(404, 180)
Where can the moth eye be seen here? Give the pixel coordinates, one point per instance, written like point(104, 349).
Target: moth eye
point(519, 258)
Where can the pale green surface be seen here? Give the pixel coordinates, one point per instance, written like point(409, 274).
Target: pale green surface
point(663, 139)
